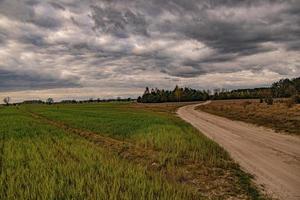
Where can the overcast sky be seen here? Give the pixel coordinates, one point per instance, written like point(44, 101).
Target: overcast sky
point(107, 48)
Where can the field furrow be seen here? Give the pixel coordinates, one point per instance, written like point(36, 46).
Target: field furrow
point(123, 148)
point(151, 159)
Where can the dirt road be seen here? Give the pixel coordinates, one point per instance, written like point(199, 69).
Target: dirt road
point(273, 158)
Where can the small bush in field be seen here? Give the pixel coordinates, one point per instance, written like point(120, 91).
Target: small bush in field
point(261, 100)
point(269, 100)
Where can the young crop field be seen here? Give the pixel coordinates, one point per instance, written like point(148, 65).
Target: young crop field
point(112, 151)
point(280, 116)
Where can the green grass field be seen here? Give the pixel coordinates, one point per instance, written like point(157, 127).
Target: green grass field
point(112, 151)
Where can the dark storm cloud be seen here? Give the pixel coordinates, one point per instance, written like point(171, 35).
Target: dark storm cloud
point(226, 33)
point(26, 12)
point(33, 39)
point(12, 81)
point(114, 42)
point(32, 2)
point(2, 37)
point(16, 10)
point(57, 5)
point(118, 21)
point(45, 22)
point(224, 26)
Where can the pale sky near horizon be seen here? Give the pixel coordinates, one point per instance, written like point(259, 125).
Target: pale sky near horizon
point(79, 49)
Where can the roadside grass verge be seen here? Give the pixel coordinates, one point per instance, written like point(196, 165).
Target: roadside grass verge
point(278, 116)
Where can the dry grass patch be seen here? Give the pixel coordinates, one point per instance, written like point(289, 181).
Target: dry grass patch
point(281, 116)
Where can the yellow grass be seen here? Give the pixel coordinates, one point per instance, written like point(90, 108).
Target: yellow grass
point(278, 116)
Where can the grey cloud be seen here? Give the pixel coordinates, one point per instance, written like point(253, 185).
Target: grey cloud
point(16, 10)
point(184, 72)
point(46, 22)
point(110, 40)
point(118, 22)
point(294, 45)
point(24, 11)
point(16, 81)
point(3, 37)
point(241, 36)
point(230, 38)
point(33, 39)
point(32, 2)
point(57, 5)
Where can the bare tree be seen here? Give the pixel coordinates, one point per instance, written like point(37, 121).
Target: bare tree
point(49, 101)
point(6, 100)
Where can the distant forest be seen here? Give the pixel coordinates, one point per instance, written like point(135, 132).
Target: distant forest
point(51, 101)
point(281, 89)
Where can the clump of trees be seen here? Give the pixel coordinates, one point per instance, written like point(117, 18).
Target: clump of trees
point(98, 100)
point(50, 101)
point(176, 95)
point(91, 100)
point(286, 88)
point(33, 102)
point(282, 89)
point(256, 93)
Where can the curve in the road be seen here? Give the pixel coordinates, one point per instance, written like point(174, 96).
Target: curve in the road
point(273, 158)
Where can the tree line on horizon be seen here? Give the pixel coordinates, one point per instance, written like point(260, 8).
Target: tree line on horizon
point(283, 88)
point(50, 101)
